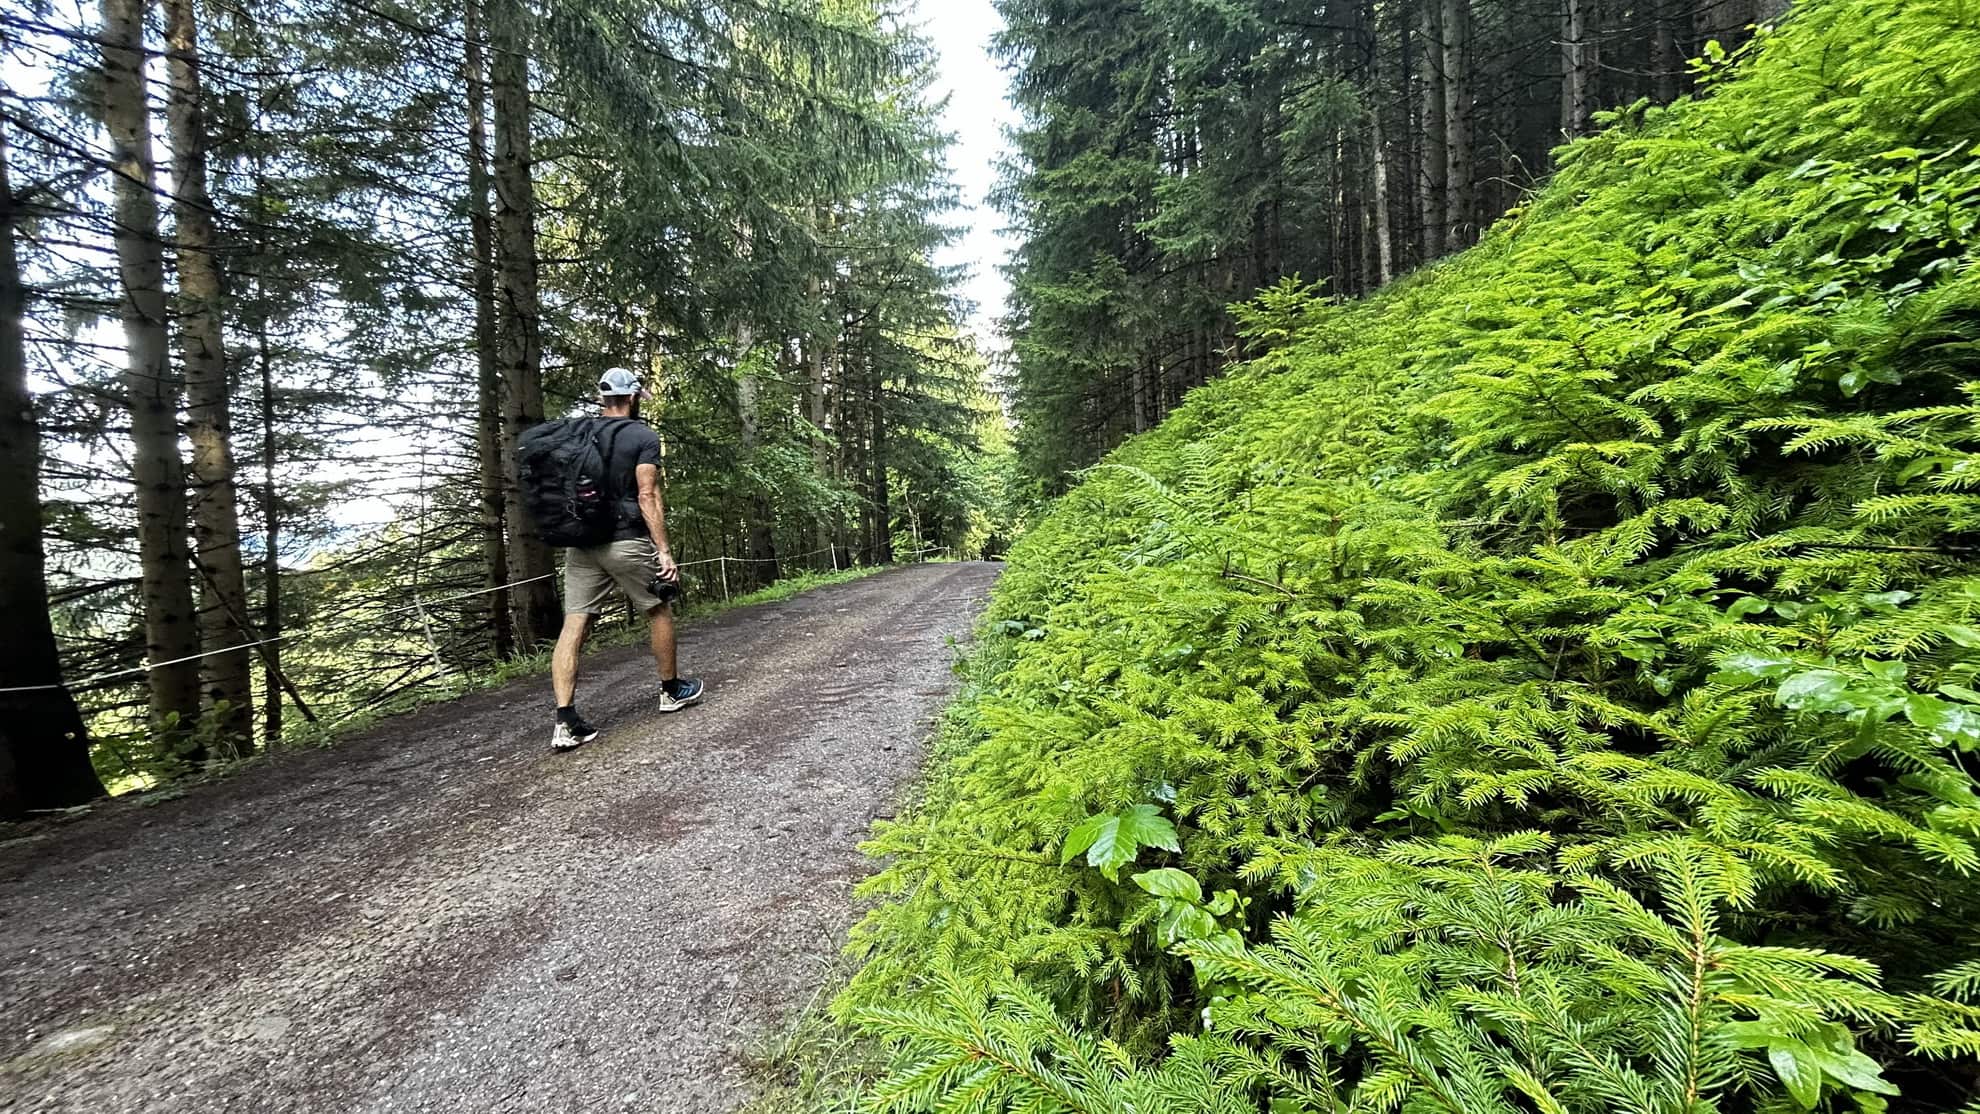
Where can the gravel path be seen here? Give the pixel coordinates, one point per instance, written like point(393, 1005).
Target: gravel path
point(444, 915)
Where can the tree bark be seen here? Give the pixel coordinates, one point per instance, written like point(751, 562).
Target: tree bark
point(1432, 177)
point(203, 350)
point(883, 527)
point(44, 750)
point(272, 681)
point(151, 382)
point(1458, 216)
point(269, 496)
point(1385, 257)
point(762, 535)
point(488, 378)
point(842, 406)
point(818, 349)
point(1579, 63)
point(1666, 61)
point(537, 614)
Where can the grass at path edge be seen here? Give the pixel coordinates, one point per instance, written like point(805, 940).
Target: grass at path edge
point(609, 635)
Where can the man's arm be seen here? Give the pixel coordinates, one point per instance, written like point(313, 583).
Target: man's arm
point(653, 509)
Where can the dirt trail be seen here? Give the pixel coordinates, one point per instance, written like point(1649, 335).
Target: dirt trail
point(444, 915)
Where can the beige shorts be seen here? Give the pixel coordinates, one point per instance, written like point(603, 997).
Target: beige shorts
point(589, 575)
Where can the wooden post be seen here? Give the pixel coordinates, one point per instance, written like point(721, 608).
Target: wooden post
point(723, 564)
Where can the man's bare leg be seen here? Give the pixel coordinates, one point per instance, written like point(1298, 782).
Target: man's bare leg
point(663, 641)
point(564, 663)
point(678, 691)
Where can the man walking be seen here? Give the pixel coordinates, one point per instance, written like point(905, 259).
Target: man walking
point(637, 560)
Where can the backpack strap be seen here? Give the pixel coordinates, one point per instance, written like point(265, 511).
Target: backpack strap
point(618, 426)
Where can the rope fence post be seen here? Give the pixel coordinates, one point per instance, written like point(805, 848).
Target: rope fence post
point(723, 564)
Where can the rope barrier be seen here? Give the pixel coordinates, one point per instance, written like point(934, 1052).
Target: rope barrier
point(417, 607)
point(139, 671)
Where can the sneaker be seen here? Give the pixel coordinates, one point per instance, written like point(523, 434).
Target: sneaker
point(679, 693)
point(569, 736)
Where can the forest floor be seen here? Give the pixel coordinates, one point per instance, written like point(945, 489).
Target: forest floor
point(442, 914)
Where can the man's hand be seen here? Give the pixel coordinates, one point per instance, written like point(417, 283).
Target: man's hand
point(663, 562)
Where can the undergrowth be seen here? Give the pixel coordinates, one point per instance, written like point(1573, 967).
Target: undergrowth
point(1549, 685)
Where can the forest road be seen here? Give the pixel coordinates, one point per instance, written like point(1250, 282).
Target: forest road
point(443, 915)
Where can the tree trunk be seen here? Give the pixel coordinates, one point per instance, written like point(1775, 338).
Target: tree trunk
point(488, 378)
point(1432, 177)
point(840, 411)
point(762, 521)
point(816, 357)
point(1138, 397)
point(170, 620)
point(1579, 62)
point(537, 614)
point(1385, 257)
point(271, 540)
point(269, 497)
point(203, 349)
point(1458, 216)
point(1666, 61)
point(44, 751)
point(883, 525)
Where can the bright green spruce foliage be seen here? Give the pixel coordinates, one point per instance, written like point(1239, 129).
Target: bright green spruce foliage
point(1547, 686)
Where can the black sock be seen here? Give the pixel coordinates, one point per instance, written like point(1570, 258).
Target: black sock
point(671, 686)
point(567, 714)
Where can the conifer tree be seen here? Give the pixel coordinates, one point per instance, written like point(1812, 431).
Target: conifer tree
point(153, 385)
point(520, 347)
point(1178, 156)
point(377, 316)
point(44, 748)
point(223, 613)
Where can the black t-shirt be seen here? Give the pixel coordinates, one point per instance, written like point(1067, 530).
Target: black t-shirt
point(628, 443)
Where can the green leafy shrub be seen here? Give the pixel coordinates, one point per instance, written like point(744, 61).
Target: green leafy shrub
point(1548, 685)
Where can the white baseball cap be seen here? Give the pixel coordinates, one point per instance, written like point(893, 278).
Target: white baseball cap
point(618, 381)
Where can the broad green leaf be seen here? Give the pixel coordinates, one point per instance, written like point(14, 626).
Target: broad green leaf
point(1962, 636)
point(1169, 882)
point(1083, 835)
point(1747, 666)
point(1948, 723)
point(1831, 1049)
point(1746, 605)
point(1111, 841)
point(1794, 1064)
point(1961, 693)
point(1818, 690)
point(1180, 921)
point(1749, 1034)
point(1145, 826)
point(1892, 671)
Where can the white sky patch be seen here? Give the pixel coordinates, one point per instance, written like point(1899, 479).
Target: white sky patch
point(978, 111)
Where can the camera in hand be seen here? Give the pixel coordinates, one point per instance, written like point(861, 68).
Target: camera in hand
point(664, 590)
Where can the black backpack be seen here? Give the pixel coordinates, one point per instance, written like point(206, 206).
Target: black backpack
point(561, 471)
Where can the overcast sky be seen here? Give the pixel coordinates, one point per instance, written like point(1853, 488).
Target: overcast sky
point(977, 115)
